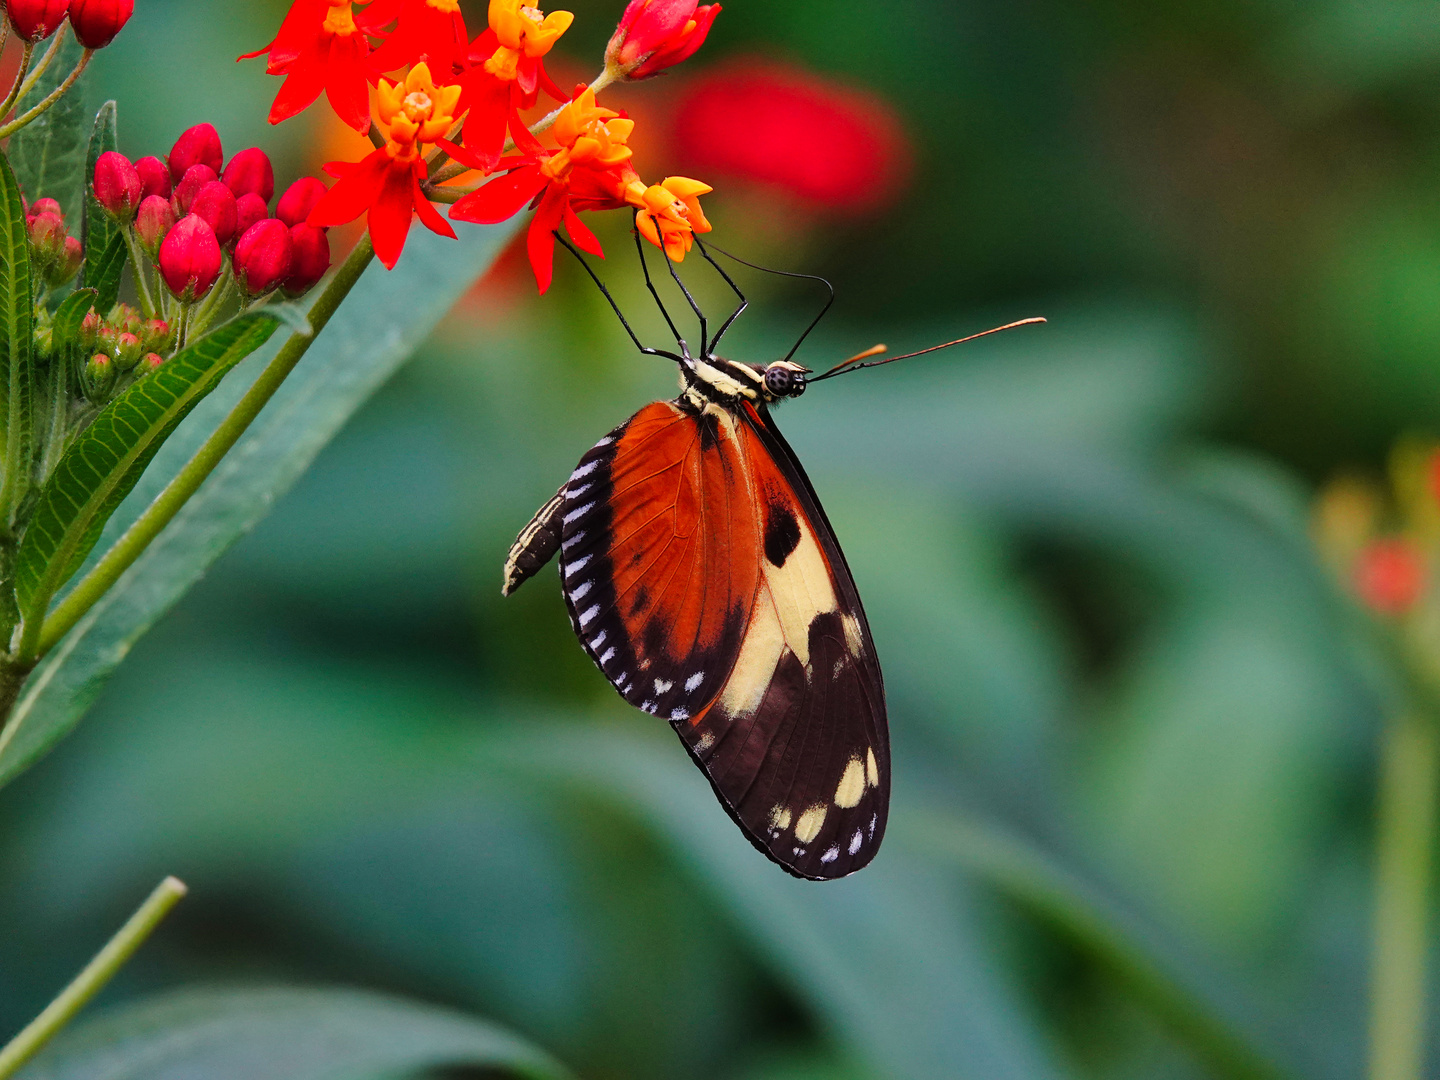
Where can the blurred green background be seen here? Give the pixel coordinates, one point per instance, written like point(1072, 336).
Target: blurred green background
point(1083, 549)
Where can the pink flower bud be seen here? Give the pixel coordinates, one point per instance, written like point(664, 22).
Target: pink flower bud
point(117, 186)
point(299, 199)
point(156, 334)
point(128, 351)
point(68, 265)
point(90, 329)
point(155, 218)
point(198, 146)
point(248, 210)
point(46, 206)
point(657, 34)
point(310, 259)
point(250, 173)
point(47, 235)
point(154, 177)
point(263, 256)
point(96, 22)
point(151, 362)
point(190, 258)
point(98, 376)
point(196, 177)
point(35, 20)
point(216, 204)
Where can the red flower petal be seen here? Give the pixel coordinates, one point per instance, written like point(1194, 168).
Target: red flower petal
point(429, 216)
point(500, 199)
point(389, 218)
point(345, 83)
point(303, 83)
point(354, 193)
point(584, 239)
point(540, 240)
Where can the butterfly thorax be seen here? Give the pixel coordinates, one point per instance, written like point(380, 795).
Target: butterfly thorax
point(715, 380)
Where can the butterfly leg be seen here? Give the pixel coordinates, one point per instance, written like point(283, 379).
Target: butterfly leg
point(535, 546)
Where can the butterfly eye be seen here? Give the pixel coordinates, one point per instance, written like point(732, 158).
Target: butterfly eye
point(783, 382)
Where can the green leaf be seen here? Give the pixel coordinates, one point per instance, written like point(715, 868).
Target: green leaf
point(97, 229)
point(104, 463)
point(105, 275)
point(284, 1034)
point(48, 153)
point(385, 319)
point(65, 329)
point(17, 317)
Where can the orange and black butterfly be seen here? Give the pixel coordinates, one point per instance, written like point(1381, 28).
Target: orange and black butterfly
point(703, 578)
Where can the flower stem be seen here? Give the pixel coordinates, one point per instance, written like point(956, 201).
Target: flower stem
point(1410, 755)
point(50, 98)
point(187, 481)
point(14, 94)
point(45, 62)
point(142, 279)
point(90, 981)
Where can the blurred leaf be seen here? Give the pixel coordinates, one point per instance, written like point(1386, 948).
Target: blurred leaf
point(17, 315)
point(385, 318)
point(105, 274)
point(65, 330)
point(48, 154)
point(98, 228)
point(106, 460)
point(883, 957)
point(283, 1034)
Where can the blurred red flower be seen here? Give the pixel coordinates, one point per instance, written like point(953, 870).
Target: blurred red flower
point(830, 145)
point(1390, 576)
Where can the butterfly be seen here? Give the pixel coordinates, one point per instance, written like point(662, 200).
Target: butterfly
point(705, 581)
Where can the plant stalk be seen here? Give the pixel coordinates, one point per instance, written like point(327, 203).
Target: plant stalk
point(187, 481)
point(14, 93)
point(1405, 841)
point(55, 95)
point(93, 978)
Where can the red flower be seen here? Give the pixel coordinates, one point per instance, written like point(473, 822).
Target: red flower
point(97, 22)
point(1390, 576)
point(429, 30)
point(263, 256)
point(657, 34)
point(319, 47)
point(385, 186)
point(506, 75)
point(590, 171)
point(190, 258)
point(35, 20)
point(828, 145)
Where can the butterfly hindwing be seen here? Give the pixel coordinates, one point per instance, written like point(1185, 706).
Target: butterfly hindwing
point(704, 581)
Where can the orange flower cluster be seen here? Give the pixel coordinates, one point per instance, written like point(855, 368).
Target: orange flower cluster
point(474, 91)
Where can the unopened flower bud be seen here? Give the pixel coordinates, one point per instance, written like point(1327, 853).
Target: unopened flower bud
point(128, 351)
point(154, 177)
point(250, 173)
point(299, 199)
point(198, 146)
point(248, 210)
point(216, 204)
point(310, 258)
point(35, 20)
point(263, 257)
point(46, 206)
point(195, 178)
point(68, 264)
point(47, 241)
point(98, 376)
point(123, 317)
point(156, 334)
point(190, 258)
point(90, 329)
point(150, 362)
point(96, 22)
point(117, 186)
point(155, 218)
point(657, 34)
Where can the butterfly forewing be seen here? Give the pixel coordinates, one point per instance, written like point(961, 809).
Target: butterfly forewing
point(704, 581)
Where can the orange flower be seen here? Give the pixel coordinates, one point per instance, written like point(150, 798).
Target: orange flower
point(386, 184)
point(669, 214)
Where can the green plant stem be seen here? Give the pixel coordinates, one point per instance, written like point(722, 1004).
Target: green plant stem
point(14, 93)
point(138, 260)
point(45, 62)
point(1405, 841)
point(90, 981)
point(188, 480)
point(1066, 904)
point(55, 95)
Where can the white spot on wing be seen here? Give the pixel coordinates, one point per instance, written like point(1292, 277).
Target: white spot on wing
point(873, 819)
point(579, 564)
point(856, 841)
point(606, 441)
point(598, 640)
point(693, 682)
point(706, 742)
point(605, 659)
point(831, 854)
point(576, 492)
point(679, 714)
point(852, 634)
point(662, 685)
point(648, 706)
point(568, 544)
point(586, 469)
point(581, 589)
point(575, 515)
point(588, 614)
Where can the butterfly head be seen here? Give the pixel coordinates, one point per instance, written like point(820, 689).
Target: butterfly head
point(784, 378)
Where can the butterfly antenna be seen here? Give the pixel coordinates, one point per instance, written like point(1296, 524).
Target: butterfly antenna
point(783, 273)
point(744, 303)
point(844, 367)
point(613, 305)
point(650, 284)
point(704, 327)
